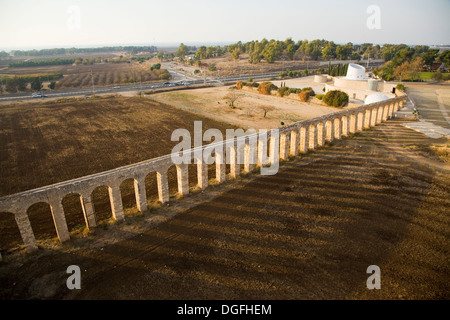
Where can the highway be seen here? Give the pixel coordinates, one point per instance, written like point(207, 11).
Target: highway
point(178, 79)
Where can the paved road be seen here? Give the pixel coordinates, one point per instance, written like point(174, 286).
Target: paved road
point(433, 103)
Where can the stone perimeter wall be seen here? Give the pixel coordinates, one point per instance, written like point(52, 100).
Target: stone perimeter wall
point(294, 139)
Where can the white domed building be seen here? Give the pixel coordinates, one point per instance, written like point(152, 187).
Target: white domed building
point(356, 72)
point(377, 97)
point(359, 87)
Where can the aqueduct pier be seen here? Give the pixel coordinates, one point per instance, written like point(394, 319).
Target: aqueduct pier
point(299, 137)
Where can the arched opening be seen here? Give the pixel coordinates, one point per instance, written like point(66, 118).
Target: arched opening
point(10, 234)
point(101, 203)
point(344, 125)
point(73, 212)
point(337, 128)
point(360, 121)
point(173, 181)
point(127, 191)
point(304, 143)
point(151, 189)
point(312, 137)
point(41, 220)
point(352, 124)
point(320, 134)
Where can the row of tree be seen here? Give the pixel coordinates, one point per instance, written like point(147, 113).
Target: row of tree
point(273, 50)
point(62, 51)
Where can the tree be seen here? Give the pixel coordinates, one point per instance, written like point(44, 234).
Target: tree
point(402, 70)
point(21, 83)
point(52, 85)
point(11, 85)
point(266, 109)
point(160, 56)
point(232, 96)
point(182, 51)
point(429, 56)
point(329, 51)
point(36, 84)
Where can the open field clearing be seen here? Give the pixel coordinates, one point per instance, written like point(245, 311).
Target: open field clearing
point(248, 112)
point(45, 143)
point(309, 232)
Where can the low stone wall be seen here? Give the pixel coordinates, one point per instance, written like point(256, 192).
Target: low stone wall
point(299, 137)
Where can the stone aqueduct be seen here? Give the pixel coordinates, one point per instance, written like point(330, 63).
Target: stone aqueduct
point(297, 138)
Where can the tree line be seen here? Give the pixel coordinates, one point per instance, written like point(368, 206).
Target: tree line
point(274, 50)
point(61, 51)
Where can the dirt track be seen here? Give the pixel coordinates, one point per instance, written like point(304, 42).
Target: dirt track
point(309, 232)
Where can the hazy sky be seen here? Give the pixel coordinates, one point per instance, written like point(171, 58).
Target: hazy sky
point(61, 23)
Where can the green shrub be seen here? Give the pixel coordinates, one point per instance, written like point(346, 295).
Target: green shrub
point(400, 87)
point(284, 91)
point(295, 90)
point(335, 98)
point(320, 96)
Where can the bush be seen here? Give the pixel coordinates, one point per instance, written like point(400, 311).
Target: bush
point(305, 94)
point(400, 87)
point(284, 91)
point(266, 87)
point(196, 71)
point(155, 66)
point(320, 96)
point(239, 84)
point(295, 90)
point(335, 98)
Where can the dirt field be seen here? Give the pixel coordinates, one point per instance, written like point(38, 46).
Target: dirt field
point(309, 232)
point(45, 143)
point(247, 114)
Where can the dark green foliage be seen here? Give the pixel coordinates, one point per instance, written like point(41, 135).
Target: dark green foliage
point(335, 98)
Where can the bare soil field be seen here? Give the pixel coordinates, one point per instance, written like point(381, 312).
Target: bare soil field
point(248, 112)
point(49, 142)
point(309, 232)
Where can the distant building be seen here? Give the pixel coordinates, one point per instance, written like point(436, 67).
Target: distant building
point(439, 66)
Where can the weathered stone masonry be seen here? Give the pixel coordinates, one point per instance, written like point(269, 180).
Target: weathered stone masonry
point(299, 137)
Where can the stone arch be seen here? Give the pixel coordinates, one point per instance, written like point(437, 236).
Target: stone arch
point(151, 188)
point(380, 114)
point(344, 122)
point(337, 128)
point(320, 134)
point(360, 121)
point(10, 233)
point(312, 134)
point(172, 181)
point(352, 123)
point(41, 220)
point(101, 203)
point(304, 139)
point(73, 210)
point(128, 195)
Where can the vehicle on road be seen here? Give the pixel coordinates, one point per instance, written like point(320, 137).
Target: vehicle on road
point(38, 95)
point(116, 87)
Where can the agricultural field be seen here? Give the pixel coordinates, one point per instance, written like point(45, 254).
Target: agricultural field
point(82, 75)
point(45, 143)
